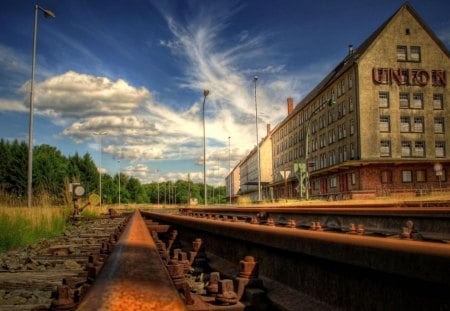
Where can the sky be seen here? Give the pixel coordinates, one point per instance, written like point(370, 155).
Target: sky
point(127, 76)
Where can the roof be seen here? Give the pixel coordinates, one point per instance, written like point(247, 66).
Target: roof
point(353, 57)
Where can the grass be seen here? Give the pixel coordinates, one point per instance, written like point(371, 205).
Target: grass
point(21, 226)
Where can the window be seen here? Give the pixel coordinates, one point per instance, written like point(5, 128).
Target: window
point(352, 152)
point(406, 148)
point(419, 149)
point(383, 99)
point(442, 176)
point(404, 100)
point(414, 54)
point(386, 177)
point(352, 127)
point(353, 178)
point(384, 124)
point(418, 125)
point(417, 102)
point(405, 124)
point(421, 175)
point(350, 104)
point(439, 148)
point(401, 52)
point(385, 148)
point(439, 124)
point(406, 176)
point(350, 81)
point(333, 182)
point(438, 101)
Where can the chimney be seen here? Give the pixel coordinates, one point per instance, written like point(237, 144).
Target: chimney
point(290, 105)
point(268, 129)
point(350, 49)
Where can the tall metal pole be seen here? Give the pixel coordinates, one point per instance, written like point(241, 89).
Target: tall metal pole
point(306, 158)
point(47, 13)
point(100, 163)
point(229, 166)
point(157, 171)
point(189, 189)
point(205, 93)
point(255, 78)
point(100, 171)
point(119, 182)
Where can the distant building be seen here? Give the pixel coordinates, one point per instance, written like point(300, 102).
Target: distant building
point(232, 184)
point(387, 131)
point(249, 170)
point(244, 177)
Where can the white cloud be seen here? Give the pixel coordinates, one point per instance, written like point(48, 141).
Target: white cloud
point(13, 105)
point(75, 95)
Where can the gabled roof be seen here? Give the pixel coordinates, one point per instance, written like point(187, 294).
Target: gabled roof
point(353, 57)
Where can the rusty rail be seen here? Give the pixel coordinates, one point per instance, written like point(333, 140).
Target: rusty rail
point(433, 224)
point(345, 270)
point(133, 277)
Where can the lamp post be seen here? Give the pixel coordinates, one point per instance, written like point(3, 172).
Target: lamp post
point(100, 168)
point(157, 180)
point(255, 78)
point(329, 102)
point(48, 14)
point(229, 165)
point(205, 93)
point(119, 180)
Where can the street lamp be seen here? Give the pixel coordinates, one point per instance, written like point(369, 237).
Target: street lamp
point(205, 93)
point(157, 180)
point(100, 168)
point(48, 14)
point(255, 78)
point(329, 102)
point(118, 161)
point(229, 165)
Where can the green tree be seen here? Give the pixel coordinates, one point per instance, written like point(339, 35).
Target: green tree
point(49, 170)
point(137, 192)
point(16, 168)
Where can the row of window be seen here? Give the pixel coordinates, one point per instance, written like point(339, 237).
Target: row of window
point(405, 101)
point(325, 159)
point(304, 115)
point(412, 124)
point(406, 176)
point(412, 148)
point(409, 176)
point(338, 133)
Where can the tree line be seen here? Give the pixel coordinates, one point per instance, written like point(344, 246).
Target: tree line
point(52, 171)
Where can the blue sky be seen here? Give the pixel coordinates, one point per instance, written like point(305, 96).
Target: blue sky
point(136, 71)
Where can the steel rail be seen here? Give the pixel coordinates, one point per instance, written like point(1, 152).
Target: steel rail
point(421, 260)
point(133, 277)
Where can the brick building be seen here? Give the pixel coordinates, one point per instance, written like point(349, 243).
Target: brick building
point(377, 124)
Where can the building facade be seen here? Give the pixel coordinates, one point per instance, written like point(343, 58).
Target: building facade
point(232, 183)
point(377, 125)
point(248, 171)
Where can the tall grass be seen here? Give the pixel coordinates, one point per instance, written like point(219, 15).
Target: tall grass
point(21, 226)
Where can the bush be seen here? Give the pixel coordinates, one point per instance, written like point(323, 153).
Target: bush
point(21, 227)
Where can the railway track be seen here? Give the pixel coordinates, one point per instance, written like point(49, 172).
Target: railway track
point(55, 273)
point(233, 259)
point(381, 220)
point(327, 270)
